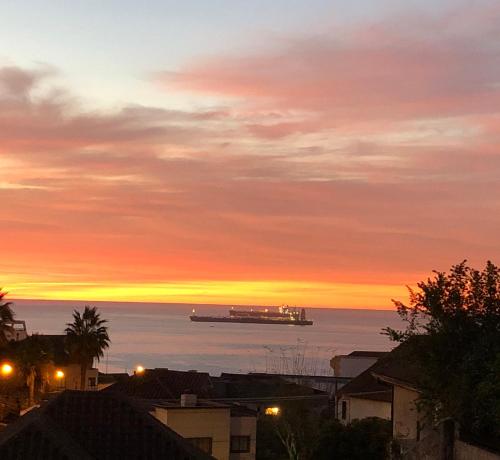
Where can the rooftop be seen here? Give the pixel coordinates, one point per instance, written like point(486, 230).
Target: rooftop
point(366, 386)
point(236, 410)
point(367, 354)
point(401, 365)
point(93, 425)
point(163, 383)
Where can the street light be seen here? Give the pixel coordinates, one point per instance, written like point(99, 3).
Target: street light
point(60, 378)
point(6, 369)
point(272, 411)
point(139, 370)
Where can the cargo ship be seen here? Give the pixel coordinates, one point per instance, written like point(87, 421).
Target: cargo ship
point(285, 315)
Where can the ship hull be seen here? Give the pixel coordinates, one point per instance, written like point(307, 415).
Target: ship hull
point(232, 319)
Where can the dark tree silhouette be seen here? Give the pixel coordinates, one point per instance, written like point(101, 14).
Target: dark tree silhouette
point(28, 355)
point(87, 338)
point(457, 318)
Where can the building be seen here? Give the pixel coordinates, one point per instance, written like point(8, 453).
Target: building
point(106, 380)
point(81, 425)
point(162, 383)
point(61, 372)
point(325, 383)
point(183, 401)
point(225, 431)
point(418, 434)
point(354, 363)
point(261, 392)
point(15, 330)
point(364, 397)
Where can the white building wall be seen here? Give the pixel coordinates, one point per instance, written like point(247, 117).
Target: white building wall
point(351, 366)
point(358, 408)
point(405, 413)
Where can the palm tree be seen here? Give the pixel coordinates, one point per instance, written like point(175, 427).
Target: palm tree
point(87, 338)
point(29, 354)
point(6, 318)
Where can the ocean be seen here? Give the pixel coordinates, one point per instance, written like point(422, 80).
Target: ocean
point(161, 335)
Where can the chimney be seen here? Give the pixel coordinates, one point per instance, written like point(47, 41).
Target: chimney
point(188, 400)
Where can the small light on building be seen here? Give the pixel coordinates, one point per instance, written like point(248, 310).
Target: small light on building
point(139, 370)
point(6, 369)
point(272, 411)
point(59, 374)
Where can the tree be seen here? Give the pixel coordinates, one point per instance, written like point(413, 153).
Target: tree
point(87, 338)
point(362, 439)
point(298, 433)
point(28, 355)
point(458, 315)
point(6, 318)
point(291, 434)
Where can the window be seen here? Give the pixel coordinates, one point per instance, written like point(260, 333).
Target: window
point(240, 444)
point(92, 382)
point(204, 444)
point(344, 410)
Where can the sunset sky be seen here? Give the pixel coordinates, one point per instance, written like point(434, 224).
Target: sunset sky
point(314, 152)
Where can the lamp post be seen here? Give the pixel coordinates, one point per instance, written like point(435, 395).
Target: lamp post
point(6, 369)
point(60, 378)
point(139, 370)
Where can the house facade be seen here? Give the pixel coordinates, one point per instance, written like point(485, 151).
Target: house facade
point(16, 331)
point(227, 432)
point(363, 397)
point(354, 363)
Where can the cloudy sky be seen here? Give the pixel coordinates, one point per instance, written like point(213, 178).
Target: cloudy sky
point(319, 153)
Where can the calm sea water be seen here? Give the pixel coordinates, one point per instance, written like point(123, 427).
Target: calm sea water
point(161, 335)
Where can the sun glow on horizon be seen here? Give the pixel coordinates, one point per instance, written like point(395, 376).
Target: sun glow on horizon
point(314, 294)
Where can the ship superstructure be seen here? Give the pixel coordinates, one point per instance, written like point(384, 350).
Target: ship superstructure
point(284, 315)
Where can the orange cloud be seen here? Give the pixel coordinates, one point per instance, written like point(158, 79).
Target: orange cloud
point(345, 165)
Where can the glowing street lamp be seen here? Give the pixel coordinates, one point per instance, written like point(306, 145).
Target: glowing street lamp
point(59, 374)
point(6, 369)
point(274, 411)
point(139, 370)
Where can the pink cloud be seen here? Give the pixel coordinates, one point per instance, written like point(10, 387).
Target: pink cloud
point(160, 194)
point(406, 68)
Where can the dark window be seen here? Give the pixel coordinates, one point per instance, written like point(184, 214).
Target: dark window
point(204, 444)
point(91, 381)
point(240, 444)
point(344, 410)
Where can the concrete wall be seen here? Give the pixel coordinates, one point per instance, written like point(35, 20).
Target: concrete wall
point(358, 408)
point(244, 426)
point(200, 422)
point(350, 366)
point(405, 415)
point(464, 451)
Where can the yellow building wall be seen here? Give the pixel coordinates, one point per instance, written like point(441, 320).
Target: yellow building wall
point(244, 426)
point(363, 408)
point(405, 413)
point(71, 379)
point(199, 422)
